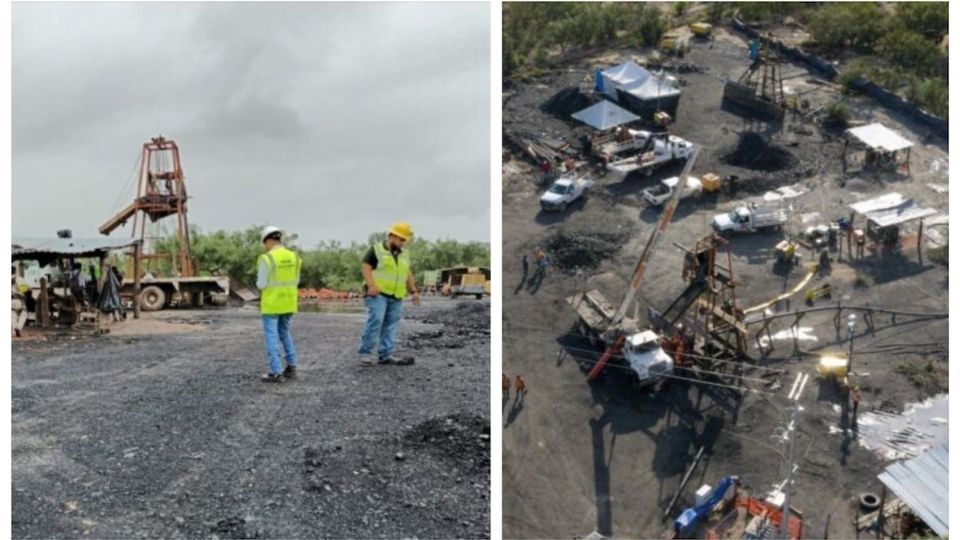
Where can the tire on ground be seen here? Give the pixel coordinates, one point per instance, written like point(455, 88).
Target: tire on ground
point(152, 298)
point(869, 501)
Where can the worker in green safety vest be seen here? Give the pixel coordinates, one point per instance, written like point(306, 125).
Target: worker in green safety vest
point(387, 280)
point(278, 275)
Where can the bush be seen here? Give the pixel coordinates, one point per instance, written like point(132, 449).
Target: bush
point(855, 24)
point(651, 27)
point(839, 114)
point(930, 19)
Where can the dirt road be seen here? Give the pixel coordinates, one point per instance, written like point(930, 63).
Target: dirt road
point(174, 436)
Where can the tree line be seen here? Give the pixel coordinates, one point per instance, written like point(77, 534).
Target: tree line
point(330, 264)
point(897, 46)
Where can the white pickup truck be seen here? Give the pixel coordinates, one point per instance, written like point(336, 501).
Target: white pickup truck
point(644, 151)
point(661, 192)
point(564, 191)
point(750, 218)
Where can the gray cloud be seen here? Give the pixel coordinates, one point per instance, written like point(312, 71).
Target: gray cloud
point(330, 120)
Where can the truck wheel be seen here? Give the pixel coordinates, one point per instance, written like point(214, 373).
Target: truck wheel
point(648, 172)
point(479, 297)
point(152, 298)
point(563, 207)
point(218, 299)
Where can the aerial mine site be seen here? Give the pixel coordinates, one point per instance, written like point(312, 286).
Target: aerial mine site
point(736, 307)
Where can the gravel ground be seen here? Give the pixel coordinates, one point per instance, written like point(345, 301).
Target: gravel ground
point(174, 436)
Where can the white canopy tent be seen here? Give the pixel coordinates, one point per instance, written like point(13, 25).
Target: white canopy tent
point(604, 115)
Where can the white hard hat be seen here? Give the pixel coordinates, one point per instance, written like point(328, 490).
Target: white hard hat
point(267, 231)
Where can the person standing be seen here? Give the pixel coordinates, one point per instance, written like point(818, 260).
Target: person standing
point(505, 384)
point(387, 280)
point(18, 307)
point(521, 388)
point(278, 276)
point(526, 266)
point(855, 398)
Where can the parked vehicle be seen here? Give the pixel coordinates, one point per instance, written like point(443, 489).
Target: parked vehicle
point(662, 192)
point(465, 280)
point(750, 218)
point(643, 151)
point(564, 191)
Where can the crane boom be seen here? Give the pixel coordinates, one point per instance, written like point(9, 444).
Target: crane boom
point(669, 207)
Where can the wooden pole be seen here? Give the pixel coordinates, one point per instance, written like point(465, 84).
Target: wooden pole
point(43, 304)
point(920, 243)
point(137, 249)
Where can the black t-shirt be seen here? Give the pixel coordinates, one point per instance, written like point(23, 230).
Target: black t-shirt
point(371, 258)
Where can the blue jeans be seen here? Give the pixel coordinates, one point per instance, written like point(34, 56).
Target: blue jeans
point(383, 319)
point(274, 325)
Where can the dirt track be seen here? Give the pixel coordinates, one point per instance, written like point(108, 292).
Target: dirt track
point(603, 458)
point(174, 436)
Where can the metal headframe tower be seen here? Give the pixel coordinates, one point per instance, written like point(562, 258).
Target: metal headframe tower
point(161, 192)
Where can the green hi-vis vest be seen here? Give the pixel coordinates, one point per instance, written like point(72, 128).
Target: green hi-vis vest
point(283, 275)
point(391, 274)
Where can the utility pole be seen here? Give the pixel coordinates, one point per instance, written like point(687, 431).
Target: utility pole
point(851, 324)
point(790, 436)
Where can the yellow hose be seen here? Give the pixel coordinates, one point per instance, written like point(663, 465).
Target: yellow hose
point(788, 294)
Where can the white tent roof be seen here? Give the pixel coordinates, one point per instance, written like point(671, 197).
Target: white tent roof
point(651, 88)
point(880, 137)
point(604, 115)
point(626, 73)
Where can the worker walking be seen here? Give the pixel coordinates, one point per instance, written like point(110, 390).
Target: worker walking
point(521, 387)
point(855, 398)
point(526, 266)
point(505, 383)
point(278, 276)
point(387, 280)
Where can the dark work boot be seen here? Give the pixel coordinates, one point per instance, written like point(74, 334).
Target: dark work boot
point(290, 372)
point(272, 377)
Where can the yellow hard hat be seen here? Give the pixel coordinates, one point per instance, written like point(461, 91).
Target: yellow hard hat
point(402, 229)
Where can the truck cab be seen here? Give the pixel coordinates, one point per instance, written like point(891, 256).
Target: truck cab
point(645, 355)
point(660, 193)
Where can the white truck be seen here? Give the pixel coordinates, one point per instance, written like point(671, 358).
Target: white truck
point(750, 218)
point(643, 151)
point(642, 348)
point(564, 191)
point(660, 193)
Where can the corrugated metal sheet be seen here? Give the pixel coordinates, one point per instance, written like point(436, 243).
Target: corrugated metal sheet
point(891, 209)
point(923, 483)
point(888, 200)
point(880, 137)
point(24, 248)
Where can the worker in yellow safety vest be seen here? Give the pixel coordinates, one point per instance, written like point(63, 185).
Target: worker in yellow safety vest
point(278, 275)
point(387, 280)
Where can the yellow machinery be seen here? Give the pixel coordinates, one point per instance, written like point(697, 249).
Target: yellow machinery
point(465, 280)
point(701, 29)
point(786, 252)
point(661, 118)
point(710, 182)
point(834, 367)
point(824, 291)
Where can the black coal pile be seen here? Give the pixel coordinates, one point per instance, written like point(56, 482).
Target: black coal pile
point(466, 320)
point(573, 249)
point(757, 152)
point(566, 102)
point(461, 438)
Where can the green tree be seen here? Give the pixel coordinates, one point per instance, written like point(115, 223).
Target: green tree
point(930, 19)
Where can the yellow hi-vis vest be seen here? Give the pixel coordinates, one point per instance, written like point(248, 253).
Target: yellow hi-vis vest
point(279, 297)
point(390, 275)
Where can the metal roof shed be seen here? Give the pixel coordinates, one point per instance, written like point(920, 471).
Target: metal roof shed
point(883, 145)
point(46, 250)
point(886, 213)
point(923, 484)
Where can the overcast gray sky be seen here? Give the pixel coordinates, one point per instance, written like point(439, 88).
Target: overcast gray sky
point(329, 120)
